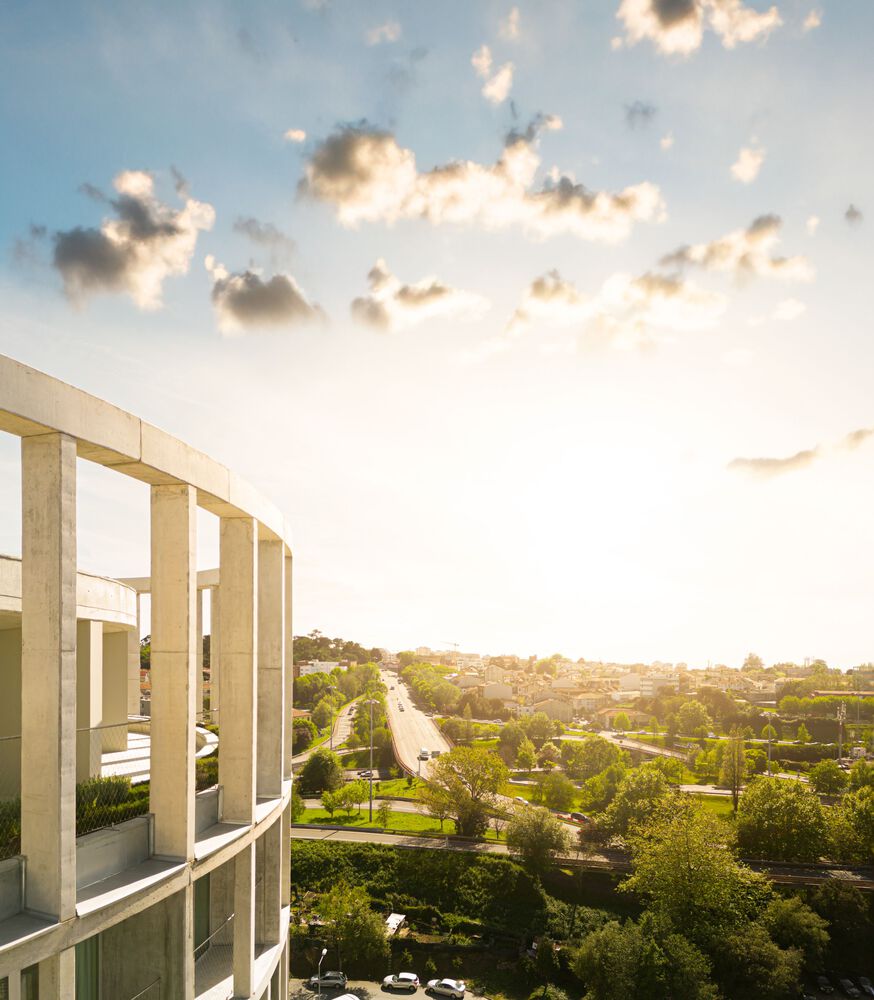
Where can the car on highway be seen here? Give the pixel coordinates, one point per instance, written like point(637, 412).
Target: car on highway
point(400, 707)
point(823, 985)
point(366, 773)
point(436, 753)
point(580, 818)
point(424, 754)
point(328, 981)
point(848, 988)
point(447, 988)
point(402, 981)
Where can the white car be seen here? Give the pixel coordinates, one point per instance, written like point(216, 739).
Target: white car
point(447, 988)
point(402, 981)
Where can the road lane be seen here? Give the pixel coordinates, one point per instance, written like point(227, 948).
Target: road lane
point(411, 728)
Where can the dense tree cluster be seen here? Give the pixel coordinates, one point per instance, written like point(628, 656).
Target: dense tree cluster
point(316, 646)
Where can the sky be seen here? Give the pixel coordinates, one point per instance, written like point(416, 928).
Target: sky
point(546, 325)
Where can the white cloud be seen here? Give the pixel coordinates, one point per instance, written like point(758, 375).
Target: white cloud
point(748, 164)
point(744, 252)
point(667, 141)
point(616, 43)
point(676, 27)
point(766, 468)
point(812, 224)
point(295, 135)
point(391, 305)
point(813, 20)
point(388, 32)
point(497, 85)
point(368, 177)
point(509, 26)
point(132, 253)
point(789, 309)
point(246, 300)
point(627, 311)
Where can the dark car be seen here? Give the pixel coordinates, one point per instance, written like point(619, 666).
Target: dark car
point(824, 985)
point(328, 981)
point(849, 989)
point(865, 986)
point(580, 818)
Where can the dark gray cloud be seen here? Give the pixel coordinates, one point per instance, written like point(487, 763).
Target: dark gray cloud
point(245, 300)
point(853, 215)
point(265, 234)
point(639, 114)
point(134, 251)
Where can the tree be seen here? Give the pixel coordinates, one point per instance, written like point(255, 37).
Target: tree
point(323, 713)
point(827, 778)
point(559, 792)
point(685, 871)
point(781, 820)
point(852, 826)
point(750, 966)
point(861, 775)
point(526, 755)
point(297, 804)
point(383, 813)
point(549, 755)
point(693, 715)
point(848, 915)
point(303, 732)
point(539, 728)
point(358, 791)
point(509, 740)
point(639, 795)
point(621, 722)
point(536, 837)
point(769, 733)
point(329, 802)
point(500, 818)
point(600, 790)
point(354, 929)
point(436, 802)
point(734, 766)
point(793, 924)
point(753, 662)
point(803, 735)
point(583, 759)
point(322, 771)
point(472, 776)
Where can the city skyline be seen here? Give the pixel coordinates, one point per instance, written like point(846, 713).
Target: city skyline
point(597, 388)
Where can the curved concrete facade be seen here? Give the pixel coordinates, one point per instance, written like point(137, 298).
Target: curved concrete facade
point(192, 899)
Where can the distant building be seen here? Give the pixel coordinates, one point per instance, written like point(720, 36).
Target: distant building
point(318, 667)
point(497, 690)
point(554, 708)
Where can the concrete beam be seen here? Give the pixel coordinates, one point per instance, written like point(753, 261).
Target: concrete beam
point(115, 682)
point(48, 673)
point(89, 699)
point(215, 652)
point(174, 532)
point(288, 679)
point(238, 556)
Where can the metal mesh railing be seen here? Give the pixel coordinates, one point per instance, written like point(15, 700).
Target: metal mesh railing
point(151, 992)
point(214, 959)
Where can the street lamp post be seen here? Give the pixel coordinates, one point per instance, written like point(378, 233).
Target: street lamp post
point(319, 974)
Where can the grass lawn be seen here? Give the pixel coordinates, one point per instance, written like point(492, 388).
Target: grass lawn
point(398, 788)
point(719, 805)
point(523, 791)
point(399, 822)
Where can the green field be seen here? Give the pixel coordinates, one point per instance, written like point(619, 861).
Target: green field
point(399, 822)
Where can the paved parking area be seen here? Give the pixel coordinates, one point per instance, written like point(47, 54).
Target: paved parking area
point(364, 990)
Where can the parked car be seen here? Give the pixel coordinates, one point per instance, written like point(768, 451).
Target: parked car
point(402, 981)
point(447, 988)
point(824, 985)
point(518, 798)
point(848, 988)
point(865, 986)
point(329, 981)
point(580, 818)
point(366, 773)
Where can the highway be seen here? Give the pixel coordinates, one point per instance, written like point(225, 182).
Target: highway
point(411, 728)
point(341, 731)
point(788, 874)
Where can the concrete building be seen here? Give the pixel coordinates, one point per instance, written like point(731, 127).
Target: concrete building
point(317, 667)
point(189, 898)
point(498, 691)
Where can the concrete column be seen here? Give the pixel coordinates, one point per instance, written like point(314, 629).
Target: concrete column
point(288, 680)
point(48, 673)
point(186, 965)
point(244, 922)
point(174, 584)
point(238, 560)
point(115, 649)
point(215, 652)
point(270, 904)
point(89, 698)
point(57, 976)
point(271, 667)
point(285, 858)
point(198, 652)
point(133, 666)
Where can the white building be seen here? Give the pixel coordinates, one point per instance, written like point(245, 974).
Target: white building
point(190, 898)
point(317, 667)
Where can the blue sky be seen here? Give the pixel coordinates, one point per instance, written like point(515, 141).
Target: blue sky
point(563, 481)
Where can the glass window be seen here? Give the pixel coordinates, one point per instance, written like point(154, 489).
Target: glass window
point(30, 983)
point(88, 969)
point(201, 915)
